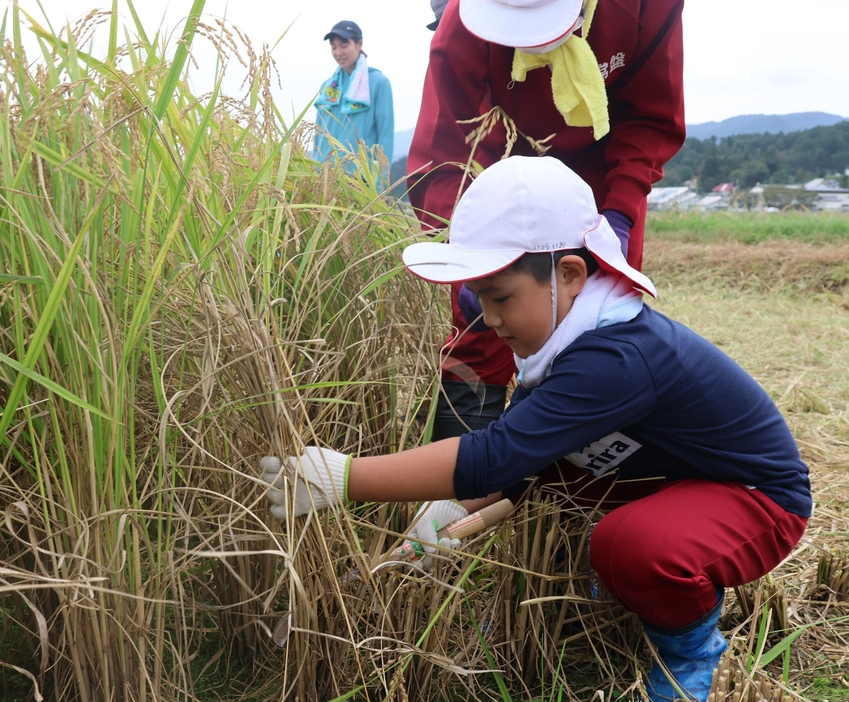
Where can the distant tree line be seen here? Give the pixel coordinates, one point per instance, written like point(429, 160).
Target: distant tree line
point(748, 159)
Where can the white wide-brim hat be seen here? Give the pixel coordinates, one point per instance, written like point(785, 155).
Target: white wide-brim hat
point(523, 204)
point(520, 23)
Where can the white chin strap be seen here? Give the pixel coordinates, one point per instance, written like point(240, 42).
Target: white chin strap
point(553, 294)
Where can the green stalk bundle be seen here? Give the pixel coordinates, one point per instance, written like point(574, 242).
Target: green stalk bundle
point(183, 290)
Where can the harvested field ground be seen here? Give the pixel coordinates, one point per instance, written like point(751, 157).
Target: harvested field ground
point(777, 265)
point(781, 309)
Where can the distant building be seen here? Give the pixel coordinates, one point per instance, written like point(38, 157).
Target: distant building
point(832, 202)
point(830, 196)
point(714, 201)
point(825, 185)
point(724, 189)
point(680, 198)
point(756, 200)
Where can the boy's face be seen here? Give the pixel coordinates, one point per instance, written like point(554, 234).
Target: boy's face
point(518, 308)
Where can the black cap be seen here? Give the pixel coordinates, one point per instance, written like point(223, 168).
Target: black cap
point(438, 7)
point(346, 30)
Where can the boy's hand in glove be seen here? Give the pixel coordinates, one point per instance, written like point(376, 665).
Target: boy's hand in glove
point(320, 473)
point(431, 517)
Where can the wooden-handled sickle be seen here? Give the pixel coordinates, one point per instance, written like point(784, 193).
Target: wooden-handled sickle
point(471, 524)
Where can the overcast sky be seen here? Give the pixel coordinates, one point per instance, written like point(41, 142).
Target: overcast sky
point(741, 56)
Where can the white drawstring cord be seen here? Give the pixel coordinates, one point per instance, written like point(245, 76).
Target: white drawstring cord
point(553, 295)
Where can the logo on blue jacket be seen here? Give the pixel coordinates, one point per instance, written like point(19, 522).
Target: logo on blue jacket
point(604, 455)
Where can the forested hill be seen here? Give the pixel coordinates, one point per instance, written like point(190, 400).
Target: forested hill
point(761, 124)
point(747, 159)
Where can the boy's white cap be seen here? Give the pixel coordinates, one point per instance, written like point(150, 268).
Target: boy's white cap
point(522, 23)
point(523, 204)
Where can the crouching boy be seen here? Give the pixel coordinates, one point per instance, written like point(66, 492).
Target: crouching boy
point(618, 389)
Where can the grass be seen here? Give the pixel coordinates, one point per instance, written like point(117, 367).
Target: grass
point(184, 291)
point(749, 227)
point(826, 689)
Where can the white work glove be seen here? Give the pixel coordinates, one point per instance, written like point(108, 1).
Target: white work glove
point(431, 517)
point(322, 480)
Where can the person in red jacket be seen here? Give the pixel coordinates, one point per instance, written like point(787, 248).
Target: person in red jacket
point(620, 151)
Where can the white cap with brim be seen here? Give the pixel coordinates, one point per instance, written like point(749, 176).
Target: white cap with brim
point(523, 204)
point(520, 23)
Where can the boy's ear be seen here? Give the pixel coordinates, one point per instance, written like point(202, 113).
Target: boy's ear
point(572, 270)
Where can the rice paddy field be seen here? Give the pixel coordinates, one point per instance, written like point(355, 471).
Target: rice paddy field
point(183, 291)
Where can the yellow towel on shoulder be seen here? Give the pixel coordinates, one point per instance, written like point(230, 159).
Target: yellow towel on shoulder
point(576, 81)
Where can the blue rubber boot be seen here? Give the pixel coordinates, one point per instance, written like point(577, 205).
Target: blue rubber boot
point(690, 654)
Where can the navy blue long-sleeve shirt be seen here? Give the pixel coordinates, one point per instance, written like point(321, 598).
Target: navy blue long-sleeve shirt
point(645, 398)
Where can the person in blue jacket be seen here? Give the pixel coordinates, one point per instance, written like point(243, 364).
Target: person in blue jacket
point(355, 104)
point(697, 476)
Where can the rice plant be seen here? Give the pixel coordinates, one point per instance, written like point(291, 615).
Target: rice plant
point(183, 291)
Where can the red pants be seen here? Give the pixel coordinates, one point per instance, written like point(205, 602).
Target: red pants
point(481, 356)
point(664, 555)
